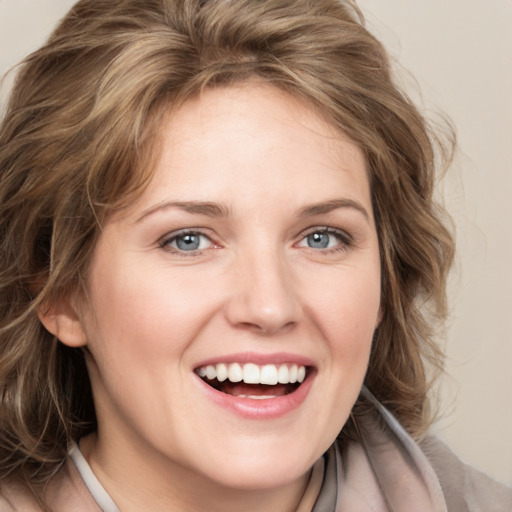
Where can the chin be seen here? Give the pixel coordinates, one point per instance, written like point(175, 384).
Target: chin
point(259, 475)
point(260, 462)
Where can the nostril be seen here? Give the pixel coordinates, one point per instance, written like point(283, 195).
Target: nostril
point(266, 328)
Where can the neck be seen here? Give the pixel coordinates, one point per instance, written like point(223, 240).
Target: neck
point(140, 481)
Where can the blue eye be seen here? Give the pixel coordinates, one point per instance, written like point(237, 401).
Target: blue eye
point(318, 240)
point(325, 239)
point(187, 242)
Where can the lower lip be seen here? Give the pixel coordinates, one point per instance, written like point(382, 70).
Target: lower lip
point(263, 409)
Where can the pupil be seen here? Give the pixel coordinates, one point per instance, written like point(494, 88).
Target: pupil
point(318, 240)
point(188, 242)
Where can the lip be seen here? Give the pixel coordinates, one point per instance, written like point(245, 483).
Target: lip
point(259, 359)
point(270, 408)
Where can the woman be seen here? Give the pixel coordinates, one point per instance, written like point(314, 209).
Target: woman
point(220, 264)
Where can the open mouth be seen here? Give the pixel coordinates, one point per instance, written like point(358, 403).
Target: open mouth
point(254, 381)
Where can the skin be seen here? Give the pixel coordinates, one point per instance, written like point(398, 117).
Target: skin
point(154, 312)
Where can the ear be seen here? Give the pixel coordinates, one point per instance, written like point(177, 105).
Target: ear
point(63, 321)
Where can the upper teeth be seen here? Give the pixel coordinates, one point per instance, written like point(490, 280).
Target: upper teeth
point(251, 373)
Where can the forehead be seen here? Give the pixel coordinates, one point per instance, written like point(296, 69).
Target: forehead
point(254, 110)
point(246, 140)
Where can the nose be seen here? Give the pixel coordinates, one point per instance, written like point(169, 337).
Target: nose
point(264, 297)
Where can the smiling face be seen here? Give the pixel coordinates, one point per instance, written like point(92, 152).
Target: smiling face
point(231, 309)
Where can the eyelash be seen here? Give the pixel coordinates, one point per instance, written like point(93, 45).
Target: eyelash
point(165, 242)
point(345, 241)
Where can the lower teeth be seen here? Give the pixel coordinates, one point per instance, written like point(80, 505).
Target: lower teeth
point(262, 394)
point(257, 397)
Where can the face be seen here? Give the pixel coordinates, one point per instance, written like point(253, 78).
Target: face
point(231, 309)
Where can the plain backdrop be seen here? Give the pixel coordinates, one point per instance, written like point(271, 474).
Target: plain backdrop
point(460, 53)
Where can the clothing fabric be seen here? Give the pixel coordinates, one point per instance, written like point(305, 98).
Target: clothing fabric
point(385, 472)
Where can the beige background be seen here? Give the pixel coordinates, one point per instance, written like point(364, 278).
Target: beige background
point(460, 52)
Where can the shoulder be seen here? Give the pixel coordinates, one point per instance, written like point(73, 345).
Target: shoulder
point(15, 498)
point(465, 488)
point(5, 506)
point(66, 492)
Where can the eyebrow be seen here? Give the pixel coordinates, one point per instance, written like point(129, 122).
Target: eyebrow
point(333, 204)
point(196, 207)
point(212, 209)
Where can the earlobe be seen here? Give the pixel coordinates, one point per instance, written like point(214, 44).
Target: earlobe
point(63, 321)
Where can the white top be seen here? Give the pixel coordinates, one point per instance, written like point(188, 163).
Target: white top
point(97, 491)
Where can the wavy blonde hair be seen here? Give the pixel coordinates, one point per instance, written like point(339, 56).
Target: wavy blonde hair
point(80, 138)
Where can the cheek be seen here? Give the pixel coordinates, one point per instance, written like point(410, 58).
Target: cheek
point(144, 314)
point(348, 309)
point(138, 330)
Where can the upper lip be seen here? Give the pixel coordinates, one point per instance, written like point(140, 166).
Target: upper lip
point(258, 359)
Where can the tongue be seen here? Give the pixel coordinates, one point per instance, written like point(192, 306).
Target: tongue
point(241, 388)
